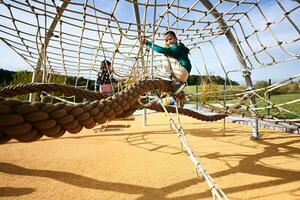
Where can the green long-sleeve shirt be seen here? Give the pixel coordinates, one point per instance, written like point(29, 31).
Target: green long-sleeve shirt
point(177, 51)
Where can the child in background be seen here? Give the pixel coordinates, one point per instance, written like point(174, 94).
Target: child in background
point(105, 79)
point(179, 65)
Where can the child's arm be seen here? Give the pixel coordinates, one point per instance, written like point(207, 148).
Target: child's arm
point(170, 51)
point(113, 80)
point(100, 79)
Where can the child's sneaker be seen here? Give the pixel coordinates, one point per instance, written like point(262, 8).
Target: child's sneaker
point(166, 78)
point(179, 86)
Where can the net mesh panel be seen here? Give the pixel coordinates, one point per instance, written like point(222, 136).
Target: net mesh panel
point(75, 36)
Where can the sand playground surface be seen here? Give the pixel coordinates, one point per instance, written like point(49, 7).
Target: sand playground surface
point(146, 163)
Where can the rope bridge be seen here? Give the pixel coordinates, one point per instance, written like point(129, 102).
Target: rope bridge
point(72, 38)
point(28, 122)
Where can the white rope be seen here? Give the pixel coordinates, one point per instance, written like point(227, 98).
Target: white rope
point(75, 53)
point(217, 193)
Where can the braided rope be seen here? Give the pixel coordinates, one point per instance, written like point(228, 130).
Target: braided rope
point(14, 90)
point(76, 49)
point(190, 113)
point(235, 18)
point(28, 122)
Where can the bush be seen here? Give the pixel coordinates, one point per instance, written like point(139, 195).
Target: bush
point(287, 89)
point(207, 90)
point(261, 84)
point(22, 77)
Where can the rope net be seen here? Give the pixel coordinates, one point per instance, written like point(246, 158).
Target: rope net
point(225, 37)
point(71, 38)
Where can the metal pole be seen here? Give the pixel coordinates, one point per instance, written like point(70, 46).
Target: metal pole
point(33, 78)
point(153, 38)
point(197, 91)
point(246, 74)
point(239, 55)
point(144, 117)
point(41, 58)
point(45, 53)
point(224, 103)
point(59, 13)
point(269, 97)
point(138, 22)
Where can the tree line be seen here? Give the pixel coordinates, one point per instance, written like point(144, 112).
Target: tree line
point(21, 77)
point(12, 78)
point(217, 80)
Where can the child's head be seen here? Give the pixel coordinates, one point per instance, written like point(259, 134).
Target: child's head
point(170, 38)
point(105, 65)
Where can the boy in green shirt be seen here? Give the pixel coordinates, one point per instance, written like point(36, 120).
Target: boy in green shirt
point(178, 63)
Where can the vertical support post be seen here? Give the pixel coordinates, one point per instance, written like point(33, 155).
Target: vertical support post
point(33, 78)
point(224, 103)
point(197, 91)
point(239, 55)
point(138, 22)
point(45, 51)
point(249, 85)
point(269, 97)
point(144, 117)
point(153, 38)
point(42, 58)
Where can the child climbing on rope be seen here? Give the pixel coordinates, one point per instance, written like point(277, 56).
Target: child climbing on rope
point(105, 79)
point(178, 63)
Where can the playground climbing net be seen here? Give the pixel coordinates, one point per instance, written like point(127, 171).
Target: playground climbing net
point(241, 37)
point(71, 38)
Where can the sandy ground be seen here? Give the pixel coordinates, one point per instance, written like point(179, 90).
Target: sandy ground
point(146, 163)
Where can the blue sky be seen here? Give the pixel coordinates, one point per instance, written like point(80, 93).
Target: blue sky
point(282, 30)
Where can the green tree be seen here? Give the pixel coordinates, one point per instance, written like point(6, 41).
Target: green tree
point(5, 77)
point(58, 79)
point(193, 80)
point(261, 84)
point(22, 77)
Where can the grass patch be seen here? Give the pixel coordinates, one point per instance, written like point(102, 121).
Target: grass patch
point(218, 91)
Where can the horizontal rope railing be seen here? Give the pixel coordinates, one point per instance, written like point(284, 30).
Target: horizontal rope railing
point(28, 122)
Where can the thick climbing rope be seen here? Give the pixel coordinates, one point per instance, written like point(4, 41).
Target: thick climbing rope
point(190, 113)
point(70, 52)
point(28, 122)
point(14, 90)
